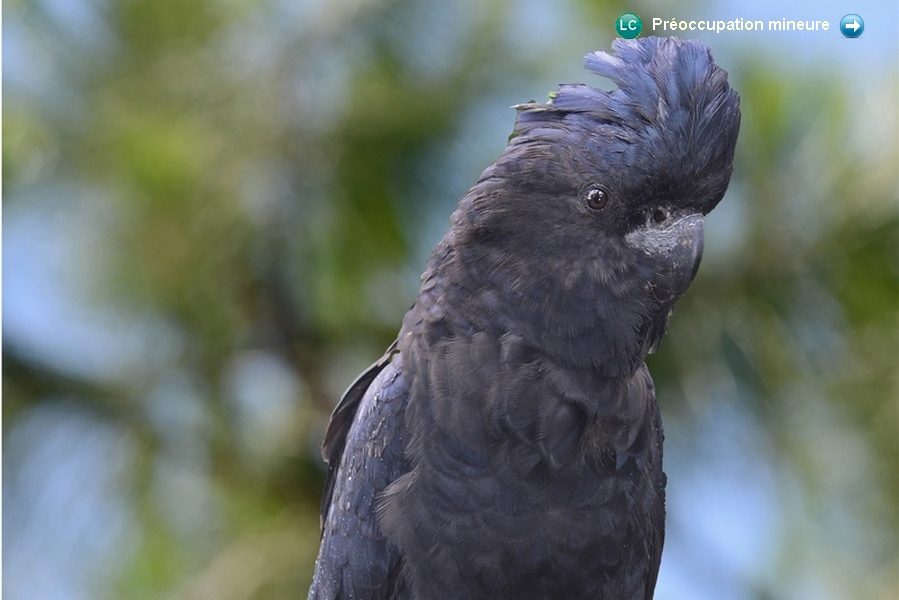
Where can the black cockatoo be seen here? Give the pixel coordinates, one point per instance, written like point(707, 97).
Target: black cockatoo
point(508, 445)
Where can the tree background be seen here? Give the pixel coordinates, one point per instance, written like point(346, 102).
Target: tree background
point(216, 212)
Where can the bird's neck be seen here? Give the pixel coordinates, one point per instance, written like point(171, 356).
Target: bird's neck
point(583, 326)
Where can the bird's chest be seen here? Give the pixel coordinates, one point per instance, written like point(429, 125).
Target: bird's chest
point(547, 534)
point(527, 479)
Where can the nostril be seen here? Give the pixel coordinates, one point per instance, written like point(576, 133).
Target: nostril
point(659, 215)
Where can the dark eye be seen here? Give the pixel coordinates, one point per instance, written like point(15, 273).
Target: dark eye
point(597, 198)
point(659, 215)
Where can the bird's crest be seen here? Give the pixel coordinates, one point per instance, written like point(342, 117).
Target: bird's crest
point(671, 99)
point(656, 77)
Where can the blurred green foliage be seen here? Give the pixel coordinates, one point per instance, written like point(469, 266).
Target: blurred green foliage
point(239, 197)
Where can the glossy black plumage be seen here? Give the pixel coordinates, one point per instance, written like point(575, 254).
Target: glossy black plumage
point(509, 444)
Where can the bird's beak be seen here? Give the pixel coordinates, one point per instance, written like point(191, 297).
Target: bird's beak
point(674, 250)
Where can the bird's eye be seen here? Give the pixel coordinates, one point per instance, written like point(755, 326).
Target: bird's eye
point(597, 198)
point(659, 215)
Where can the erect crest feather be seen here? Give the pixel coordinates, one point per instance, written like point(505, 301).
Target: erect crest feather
point(657, 79)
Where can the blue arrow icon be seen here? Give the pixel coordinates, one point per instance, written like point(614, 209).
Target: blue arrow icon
point(852, 26)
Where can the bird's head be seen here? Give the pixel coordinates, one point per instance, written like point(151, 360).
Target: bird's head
point(591, 220)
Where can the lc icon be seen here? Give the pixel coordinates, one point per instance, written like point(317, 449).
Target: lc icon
point(629, 26)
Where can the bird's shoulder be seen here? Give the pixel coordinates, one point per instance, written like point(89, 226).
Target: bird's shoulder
point(364, 449)
point(342, 418)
